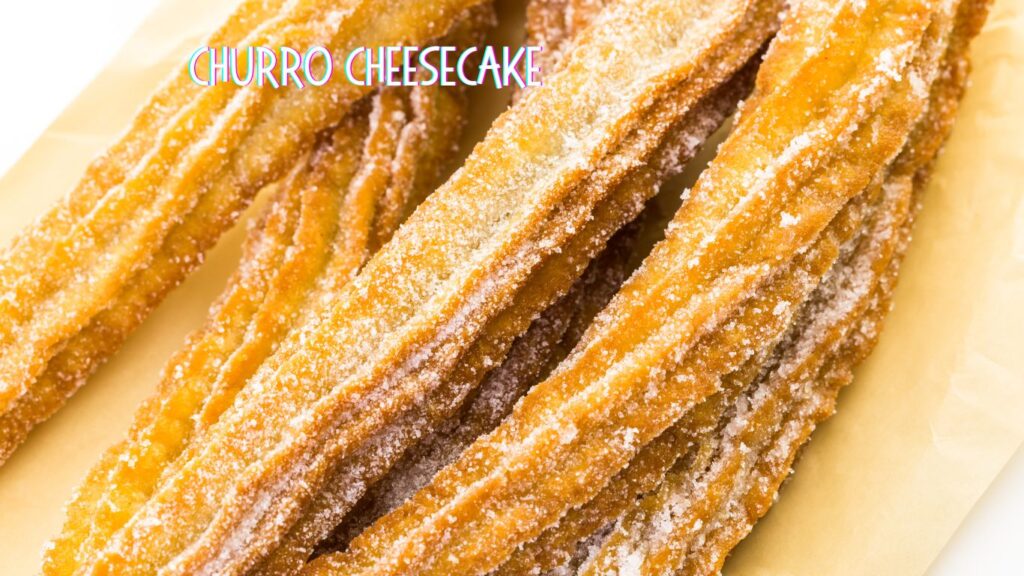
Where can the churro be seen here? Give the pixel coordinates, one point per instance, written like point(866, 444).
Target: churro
point(803, 151)
point(352, 477)
point(81, 278)
point(331, 213)
point(410, 376)
point(841, 325)
point(80, 356)
point(567, 544)
point(419, 304)
point(531, 357)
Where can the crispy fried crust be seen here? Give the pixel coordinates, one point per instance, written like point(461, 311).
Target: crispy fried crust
point(838, 328)
point(418, 305)
point(676, 535)
point(329, 215)
point(710, 293)
point(77, 282)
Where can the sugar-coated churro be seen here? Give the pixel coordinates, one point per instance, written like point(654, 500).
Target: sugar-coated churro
point(551, 278)
point(840, 326)
point(417, 306)
point(406, 376)
point(804, 149)
point(568, 543)
point(330, 215)
point(79, 280)
point(530, 357)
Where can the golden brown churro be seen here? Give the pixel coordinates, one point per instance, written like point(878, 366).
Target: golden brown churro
point(81, 354)
point(567, 544)
point(417, 128)
point(840, 326)
point(553, 277)
point(320, 518)
point(531, 356)
point(489, 388)
point(420, 304)
point(741, 255)
point(75, 283)
point(558, 329)
point(330, 214)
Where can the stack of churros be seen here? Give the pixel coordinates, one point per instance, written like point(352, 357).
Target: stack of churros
point(667, 431)
point(81, 278)
point(490, 375)
point(329, 214)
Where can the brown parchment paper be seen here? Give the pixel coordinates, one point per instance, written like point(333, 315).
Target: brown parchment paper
point(929, 422)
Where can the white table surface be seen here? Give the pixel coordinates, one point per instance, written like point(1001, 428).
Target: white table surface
point(84, 35)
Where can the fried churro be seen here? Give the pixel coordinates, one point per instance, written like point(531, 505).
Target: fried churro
point(474, 380)
point(540, 291)
point(330, 214)
point(548, 340)
point(79, 280)
point(567, 544)
point(807, 147)
point(558, 329)
point(67, 370)
point(840, 325)
point(419, 304)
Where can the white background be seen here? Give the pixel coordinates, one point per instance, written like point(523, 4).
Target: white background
point(51, 49)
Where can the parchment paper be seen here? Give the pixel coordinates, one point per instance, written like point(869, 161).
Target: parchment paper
point(927, 425)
